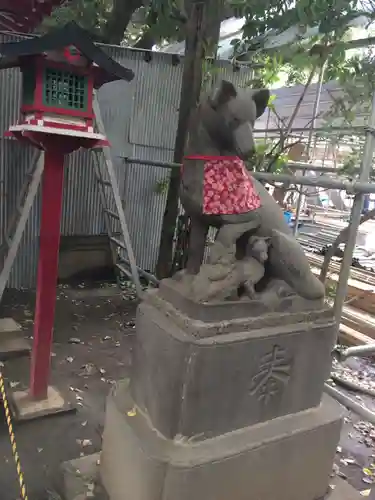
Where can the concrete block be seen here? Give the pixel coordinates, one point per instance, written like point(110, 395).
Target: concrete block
point(82, 255)
point(204, 386)
point(12, 341)
point(14, 348)
point(288, 458)
point(80, 479)
point(24, 407)
point(8, 325)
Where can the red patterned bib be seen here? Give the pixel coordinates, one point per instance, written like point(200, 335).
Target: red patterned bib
point(227, 189)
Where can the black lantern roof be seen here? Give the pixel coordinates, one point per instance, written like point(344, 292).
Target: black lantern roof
point(13, 53)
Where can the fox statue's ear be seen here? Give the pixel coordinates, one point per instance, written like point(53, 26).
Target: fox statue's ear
point(222, 94)
point(261, 98)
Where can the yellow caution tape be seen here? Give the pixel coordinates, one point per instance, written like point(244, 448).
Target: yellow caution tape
point(12, 438)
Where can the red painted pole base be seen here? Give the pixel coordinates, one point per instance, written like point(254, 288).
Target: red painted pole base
point(52, 194)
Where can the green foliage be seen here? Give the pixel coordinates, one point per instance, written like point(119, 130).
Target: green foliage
point(162, 186)
point(210, 74)
point(269, 156)
point(356, 77)
point(330, 290)
point(331, 16)
point(89, 14)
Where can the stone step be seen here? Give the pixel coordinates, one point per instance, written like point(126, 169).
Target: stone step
point(12, 341)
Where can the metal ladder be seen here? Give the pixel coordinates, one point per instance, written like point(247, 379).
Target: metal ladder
point(114, 215)
point(121, 248)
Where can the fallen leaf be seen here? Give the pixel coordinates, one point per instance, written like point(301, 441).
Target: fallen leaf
point(74, 340)
point(84, 442)
point(365, 493)
point(132, 412)
point(367, 480)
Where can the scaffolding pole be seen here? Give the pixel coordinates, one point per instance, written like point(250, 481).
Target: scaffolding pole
point(318, 93)
point(351, 187)
point(355, 216)
point(352, 130)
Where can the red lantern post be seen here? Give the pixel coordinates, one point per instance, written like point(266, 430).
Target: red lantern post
point(59, 74)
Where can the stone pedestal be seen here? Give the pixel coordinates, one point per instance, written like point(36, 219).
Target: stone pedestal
point(222, 408)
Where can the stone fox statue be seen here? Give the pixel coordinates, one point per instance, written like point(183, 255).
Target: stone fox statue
point(217, 190)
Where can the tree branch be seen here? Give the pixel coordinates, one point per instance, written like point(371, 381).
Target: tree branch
point(120, 17)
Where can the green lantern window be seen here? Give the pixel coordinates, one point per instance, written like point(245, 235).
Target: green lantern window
point(62, 89)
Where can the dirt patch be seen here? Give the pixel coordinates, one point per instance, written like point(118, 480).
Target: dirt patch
point(92, 348)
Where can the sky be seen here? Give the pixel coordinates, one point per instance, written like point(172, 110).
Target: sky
point(231, 28)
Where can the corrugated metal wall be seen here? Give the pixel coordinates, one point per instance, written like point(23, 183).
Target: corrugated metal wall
point(141, 121)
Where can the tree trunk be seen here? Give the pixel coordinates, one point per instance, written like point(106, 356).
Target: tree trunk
point(200, 29)
point(341, 238)
point(147, 40)
point(122, 12)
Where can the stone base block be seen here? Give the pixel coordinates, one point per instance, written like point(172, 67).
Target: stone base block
point(288, 458)
point(174, 292)
point(198, 385)
point(25, 408)
point(80, 479)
